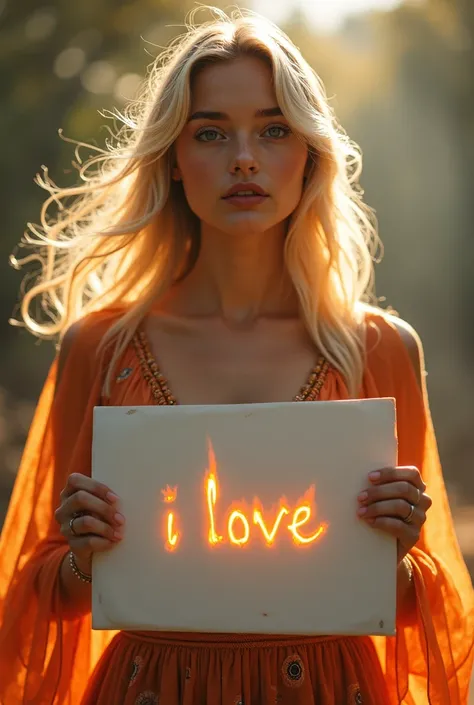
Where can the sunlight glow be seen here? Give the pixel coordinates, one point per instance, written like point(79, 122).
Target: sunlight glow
point(324, 15)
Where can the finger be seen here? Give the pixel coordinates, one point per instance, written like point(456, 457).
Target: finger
point(76, 482)
point(425, 502)
point(394, 508)
point(392, 490)
point(87, 545)
point(83, 501)
point(405, 473)
point(88, 524)
point(407, 534)
point(395, 490)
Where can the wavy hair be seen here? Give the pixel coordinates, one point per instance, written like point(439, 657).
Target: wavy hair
point(126, 234)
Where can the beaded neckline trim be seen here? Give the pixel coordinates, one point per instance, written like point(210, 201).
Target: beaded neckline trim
point(163, 396)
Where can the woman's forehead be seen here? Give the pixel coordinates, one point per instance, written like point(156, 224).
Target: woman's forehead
point(234, 84)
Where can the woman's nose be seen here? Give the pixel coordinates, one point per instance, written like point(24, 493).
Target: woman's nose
point(245, 158)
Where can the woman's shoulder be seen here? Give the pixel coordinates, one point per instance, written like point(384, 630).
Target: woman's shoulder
point(82, 339)
point(391, 340)
point(92, 326)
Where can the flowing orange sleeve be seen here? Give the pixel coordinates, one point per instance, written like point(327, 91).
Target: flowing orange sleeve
point(46, 655)
point(430, 661)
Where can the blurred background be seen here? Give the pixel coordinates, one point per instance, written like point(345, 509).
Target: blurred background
point(400, 76)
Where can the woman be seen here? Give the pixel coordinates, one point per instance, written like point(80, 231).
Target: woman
point(225, 240)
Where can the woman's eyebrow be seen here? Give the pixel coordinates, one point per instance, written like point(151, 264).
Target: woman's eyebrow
point(214, 115)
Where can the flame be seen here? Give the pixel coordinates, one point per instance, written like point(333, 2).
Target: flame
point(171, 535)
point(298, 517)
point(306, 503)
point(211, 487)
point(169, 494)
point(236, 514)
point(259, 520)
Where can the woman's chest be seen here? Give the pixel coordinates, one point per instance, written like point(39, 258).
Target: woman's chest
point(216, 366)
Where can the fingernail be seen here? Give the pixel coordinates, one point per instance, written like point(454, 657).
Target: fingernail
point(118, 535)
point(370, 521)
point(362, 511)
point(111, 497)
point(119, 519)
point(363, 496)
point(374, 476)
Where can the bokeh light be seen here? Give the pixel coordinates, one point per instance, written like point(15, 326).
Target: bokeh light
point(99, 77)
point(69, 62)
point(41, 24)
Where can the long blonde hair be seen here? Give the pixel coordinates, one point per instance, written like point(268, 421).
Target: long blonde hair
point(128, 233)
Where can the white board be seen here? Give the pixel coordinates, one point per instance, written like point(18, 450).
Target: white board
point(342, 582)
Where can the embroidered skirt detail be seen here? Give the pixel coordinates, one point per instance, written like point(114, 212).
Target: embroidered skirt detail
point(144, 668)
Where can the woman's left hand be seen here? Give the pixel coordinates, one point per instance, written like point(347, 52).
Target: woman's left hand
point(395, 502)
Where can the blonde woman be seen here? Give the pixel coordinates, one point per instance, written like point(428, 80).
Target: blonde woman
point(220, 253)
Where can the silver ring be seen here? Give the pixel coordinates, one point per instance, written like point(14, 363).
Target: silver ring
point(71, 525)
point(409, 518)
point(71, 522)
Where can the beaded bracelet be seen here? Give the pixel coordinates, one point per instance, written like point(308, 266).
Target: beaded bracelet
point(77, 571)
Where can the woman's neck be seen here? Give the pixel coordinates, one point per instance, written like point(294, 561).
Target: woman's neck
point(238, 279)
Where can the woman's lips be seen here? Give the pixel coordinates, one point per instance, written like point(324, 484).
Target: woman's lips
point(245, 200)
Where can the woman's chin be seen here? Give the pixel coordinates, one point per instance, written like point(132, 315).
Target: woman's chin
point(245, 224)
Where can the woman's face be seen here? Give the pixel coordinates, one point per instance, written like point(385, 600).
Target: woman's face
point(239, 143)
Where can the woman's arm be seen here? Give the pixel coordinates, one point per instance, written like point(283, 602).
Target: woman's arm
point(431, 657)
point(44, 615)
point(406, 597)
point(99, 526)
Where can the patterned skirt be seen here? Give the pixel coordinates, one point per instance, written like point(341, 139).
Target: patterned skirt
point(155, 668)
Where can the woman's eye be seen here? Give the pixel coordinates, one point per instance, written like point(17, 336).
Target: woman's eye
point(208, 131)
point(212, 135)
point(275, 128)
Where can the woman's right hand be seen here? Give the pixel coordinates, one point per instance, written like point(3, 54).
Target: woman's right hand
point(88, 518)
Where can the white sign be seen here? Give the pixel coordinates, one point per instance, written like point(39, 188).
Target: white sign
point(243, 518)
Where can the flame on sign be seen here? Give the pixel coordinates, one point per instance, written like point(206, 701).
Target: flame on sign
point(211, 485)
point(269, 528)
point(240, 516)
point(169, 494)
point(301, 515)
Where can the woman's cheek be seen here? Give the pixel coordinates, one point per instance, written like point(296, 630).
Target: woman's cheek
point(198, 176)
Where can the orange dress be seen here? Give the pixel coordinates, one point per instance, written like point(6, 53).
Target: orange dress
point(50, 656)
